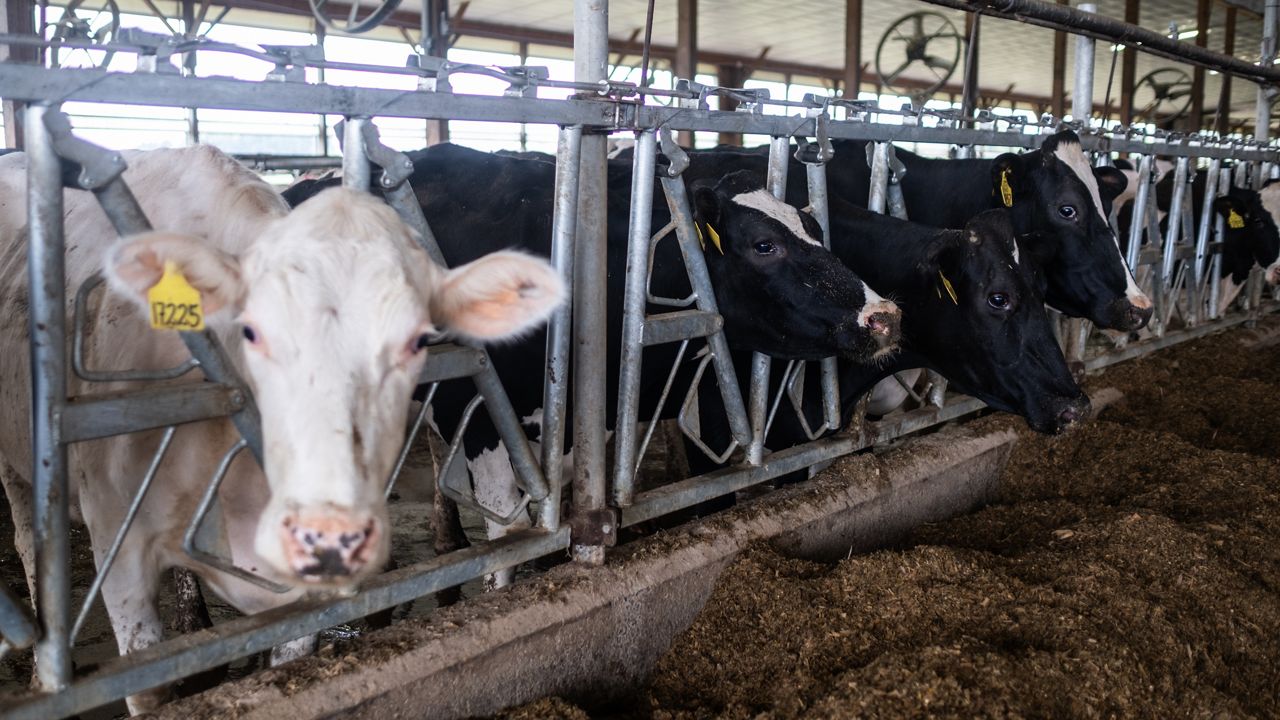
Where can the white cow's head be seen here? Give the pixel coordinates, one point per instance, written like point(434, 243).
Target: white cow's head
point(334, 304)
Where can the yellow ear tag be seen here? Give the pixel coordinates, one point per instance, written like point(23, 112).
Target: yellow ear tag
point(1234, 220)
point(950, 290)
point(715, 238)
point(174, 303)
point(701, 243)
point(1006, 192)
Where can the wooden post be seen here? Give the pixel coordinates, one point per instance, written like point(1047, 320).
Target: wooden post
point(972, 27)
point(1128, 67)
point(1197, 76)
point(686, 65)
point(731, 75)
point(16, 17)
point(1228, 48)
point(1059, 93)
point(852, 48)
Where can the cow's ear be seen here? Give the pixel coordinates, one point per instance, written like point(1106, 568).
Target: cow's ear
point(1231, 210)
point(136, 264)
point(501, 296)
point(1008, 179)
point(943, 252)
point(706, 203)
point(1111, 182)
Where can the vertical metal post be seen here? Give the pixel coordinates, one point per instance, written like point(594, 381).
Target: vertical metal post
point(969, 100)
point(1058, 94)
point(1139, 212)
point(590, 333)
point(356, 171)
point(633, 310)
point(1262, 127)
point(555, 392)
point(189, 66)
point(686, 59)
point(852, 48)
point(1082, 96)
point(1224, 97)
point(1174, 219)
point(1128, 67)
point(816, 174)
point(1202, 238)
point(758, 395)
point(1197, 73)
point(46, 274)
point(877, 198)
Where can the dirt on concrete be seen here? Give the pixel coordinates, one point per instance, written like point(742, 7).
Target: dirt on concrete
point(1130, 569)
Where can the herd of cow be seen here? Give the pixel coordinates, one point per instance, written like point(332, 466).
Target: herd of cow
point(330, 309)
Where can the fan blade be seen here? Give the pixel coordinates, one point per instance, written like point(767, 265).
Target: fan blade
point(939, 63)
point(917, 22)
point(894, 75)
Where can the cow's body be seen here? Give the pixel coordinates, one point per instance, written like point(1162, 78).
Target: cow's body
point(946, 282)
point(322, 311)
point(1248, 239)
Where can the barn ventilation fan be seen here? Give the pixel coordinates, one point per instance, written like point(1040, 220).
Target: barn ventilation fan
point(1162, 96)
point(924, 45)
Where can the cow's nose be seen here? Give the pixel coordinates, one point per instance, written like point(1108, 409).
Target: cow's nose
point(327, 545)
point(1131, 315)
point(884, 321)
point(1075, 411)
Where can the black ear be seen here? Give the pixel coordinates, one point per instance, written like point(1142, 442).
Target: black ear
point(1008, 179)
point(1226, 206)
point(1111, 182)
point(1122, 164)
point(706, 203)
point(944, 252)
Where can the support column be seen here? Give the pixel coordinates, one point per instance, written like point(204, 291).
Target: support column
point(972, 26)
point(1128, 67)
point(189, 67)
point(852, 48)
point(593, 523)
point(435, 42)
point(686, 64)
point(1082, 92)
point(1059, 93)
point(730, 75)
point(1262, 127)
point(1224, 97)
point(1197, 75)
point(16, 17)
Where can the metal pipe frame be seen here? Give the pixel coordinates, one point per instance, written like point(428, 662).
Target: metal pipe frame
point(57, 423)
point(555, 392)
point(1202, 259)
point(1082, 95)
point(36, 84)
point(593, 523)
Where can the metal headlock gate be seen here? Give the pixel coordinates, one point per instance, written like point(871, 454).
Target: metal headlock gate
point(1180, 264)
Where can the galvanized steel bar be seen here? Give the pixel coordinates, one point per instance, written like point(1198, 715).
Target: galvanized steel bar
point(1082, 96)
point(591, 530)
point(1262, 121)
point(816, 174)
point(1140, 200)
point(555, 391)
point(758, 394)
point(1085, 22)
point(182, 656)
point(99, 416)
point(46, 275)
point(357, 173)
point(1206, 221)
point(639, 229)
point(1174, 219)
point(879, 177)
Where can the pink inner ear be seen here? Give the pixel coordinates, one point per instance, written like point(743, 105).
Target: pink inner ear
point(140, 271)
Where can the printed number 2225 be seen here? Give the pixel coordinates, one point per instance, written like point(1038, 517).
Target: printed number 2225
point(176, 315)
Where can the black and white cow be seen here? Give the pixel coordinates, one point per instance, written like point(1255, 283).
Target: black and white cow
point(973, 310)
point(780, 292)
point(1250, 235)
point(1059, 205)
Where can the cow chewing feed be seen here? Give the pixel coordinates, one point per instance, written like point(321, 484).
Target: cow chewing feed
point(780, 292)
point(326, 311)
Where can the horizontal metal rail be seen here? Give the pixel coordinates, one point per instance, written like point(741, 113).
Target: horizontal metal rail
point(36, 84)
point(90, 417)
point(1101, 27)
point(195, 652)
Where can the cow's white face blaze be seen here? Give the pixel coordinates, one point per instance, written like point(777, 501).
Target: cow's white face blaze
point(331, 311)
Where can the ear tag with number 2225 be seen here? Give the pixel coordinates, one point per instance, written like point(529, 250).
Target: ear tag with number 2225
point(174, 303)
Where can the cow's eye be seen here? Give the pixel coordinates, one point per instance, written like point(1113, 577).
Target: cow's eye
point(765, 247)
point(1067, 211)
point(999, 301)
point(250, 334)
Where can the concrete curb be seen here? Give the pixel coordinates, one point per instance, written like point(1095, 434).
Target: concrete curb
point(598, 632)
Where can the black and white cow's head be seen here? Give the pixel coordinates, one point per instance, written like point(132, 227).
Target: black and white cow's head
point(1263, 216)
point(779, 290)
point(983, 325)
point(1054, 193)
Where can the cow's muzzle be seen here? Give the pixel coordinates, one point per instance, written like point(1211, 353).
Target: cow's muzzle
point(883, 320)
point(329, 545)
point(1129, 315)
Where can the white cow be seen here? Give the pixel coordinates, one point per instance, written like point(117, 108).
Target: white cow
point(325, 311)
